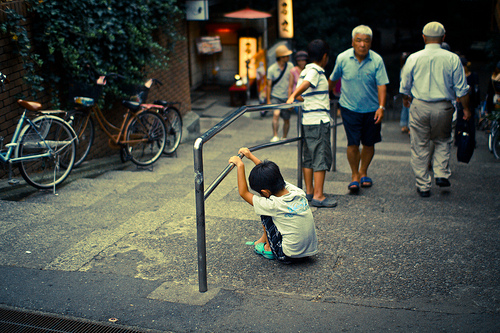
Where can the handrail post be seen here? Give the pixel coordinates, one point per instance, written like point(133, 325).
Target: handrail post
point(200, 194)
point(299, 148)
point(334, 135)
point(200, 215)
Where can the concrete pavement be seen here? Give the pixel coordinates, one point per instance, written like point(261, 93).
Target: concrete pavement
point(120, 242)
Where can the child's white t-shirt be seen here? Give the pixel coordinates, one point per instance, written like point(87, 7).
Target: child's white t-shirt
point(293, 217)
point(316, 97)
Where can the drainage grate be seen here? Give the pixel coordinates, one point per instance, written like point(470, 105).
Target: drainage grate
point(15, 321)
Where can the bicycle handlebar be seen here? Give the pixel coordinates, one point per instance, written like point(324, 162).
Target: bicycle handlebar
point(101, 78)
point(93, 72)
point(3, 79)
point(157, 81)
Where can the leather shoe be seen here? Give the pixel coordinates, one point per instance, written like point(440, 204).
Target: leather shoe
point(442, 182)
point(424, 194)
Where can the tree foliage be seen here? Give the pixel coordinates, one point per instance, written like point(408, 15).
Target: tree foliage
point(114, 35)
point(14, 27)
point(329, 20)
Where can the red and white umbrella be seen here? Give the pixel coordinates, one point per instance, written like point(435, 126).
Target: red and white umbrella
point(248, 13)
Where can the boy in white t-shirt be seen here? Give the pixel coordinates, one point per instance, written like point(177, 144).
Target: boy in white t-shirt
point(289, 230)
point(317, 156)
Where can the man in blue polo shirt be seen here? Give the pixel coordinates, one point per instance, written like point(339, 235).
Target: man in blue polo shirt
point(362, 102)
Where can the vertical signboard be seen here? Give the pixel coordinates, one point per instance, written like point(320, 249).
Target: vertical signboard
point(248, 49)
point(285, 17)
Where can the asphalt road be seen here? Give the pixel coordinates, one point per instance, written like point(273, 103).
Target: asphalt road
point(120, 242)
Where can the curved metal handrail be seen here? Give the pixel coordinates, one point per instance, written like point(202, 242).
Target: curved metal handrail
point(201, 194)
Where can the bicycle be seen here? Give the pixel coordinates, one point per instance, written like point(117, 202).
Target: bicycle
point(494, 135)
point(167, 110)
point(44, 148)
point(141, 137)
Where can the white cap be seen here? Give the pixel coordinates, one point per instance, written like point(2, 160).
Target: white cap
point(433, 29)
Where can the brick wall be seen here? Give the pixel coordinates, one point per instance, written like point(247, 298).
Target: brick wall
point(175, 87)
point(175, 78)
point(12, 66)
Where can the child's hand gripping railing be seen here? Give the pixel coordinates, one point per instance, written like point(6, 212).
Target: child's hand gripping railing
point(201, 194)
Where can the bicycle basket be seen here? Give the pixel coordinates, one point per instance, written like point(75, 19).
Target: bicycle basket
point(136, 93)
point(81, 89)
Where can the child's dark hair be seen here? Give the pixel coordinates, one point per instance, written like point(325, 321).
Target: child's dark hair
point(317, 49)
point(266, 176)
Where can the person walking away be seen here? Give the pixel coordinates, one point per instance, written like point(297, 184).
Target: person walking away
point(474, 97)
point(317, 152)
point(287, 220)
point(362, 102)
point(493, 94)
point(432, 78)
point(405, 107)
point(278, 78)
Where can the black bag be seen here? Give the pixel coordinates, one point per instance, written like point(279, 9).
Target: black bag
point(465, 139)
point(281, 75)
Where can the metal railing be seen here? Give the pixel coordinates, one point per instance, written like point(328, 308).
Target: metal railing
point(201, 194)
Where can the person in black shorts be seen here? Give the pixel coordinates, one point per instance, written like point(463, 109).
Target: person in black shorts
point(362, 101)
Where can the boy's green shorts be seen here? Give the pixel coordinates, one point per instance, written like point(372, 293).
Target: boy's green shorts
point(317, 150)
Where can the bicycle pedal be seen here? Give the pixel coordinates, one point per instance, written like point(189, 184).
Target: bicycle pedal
point(13, 181)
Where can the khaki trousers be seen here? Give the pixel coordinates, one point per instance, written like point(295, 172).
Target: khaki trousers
point(431, 140)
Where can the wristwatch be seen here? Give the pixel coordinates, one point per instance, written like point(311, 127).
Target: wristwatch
point(381, 107)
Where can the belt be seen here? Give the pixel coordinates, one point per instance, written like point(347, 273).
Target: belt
point(439, 101)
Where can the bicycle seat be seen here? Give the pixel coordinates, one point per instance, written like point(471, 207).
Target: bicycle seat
point(165, 103)
point(134, 106)
point(31, 106)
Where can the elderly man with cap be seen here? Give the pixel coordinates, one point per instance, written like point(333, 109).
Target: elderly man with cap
point(432, 78)
point(278, 78)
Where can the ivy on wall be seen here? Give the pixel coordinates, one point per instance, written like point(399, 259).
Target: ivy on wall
point(14, 27)
point(120, 36)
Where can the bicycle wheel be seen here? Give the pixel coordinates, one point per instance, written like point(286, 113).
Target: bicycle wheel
point(51, 134)
point(496, 145)
point(146, 137)
point(84, 127)
point(490, 142)
point(492, 134)
point(173, 121)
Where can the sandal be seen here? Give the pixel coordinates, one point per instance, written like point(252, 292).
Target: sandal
point(259, 249)
point(366, 182)
point(353, 187)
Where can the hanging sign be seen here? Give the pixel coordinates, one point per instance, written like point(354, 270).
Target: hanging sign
point(285, 18)
point(248, 49)
point(197, 10)
point(208, 45)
